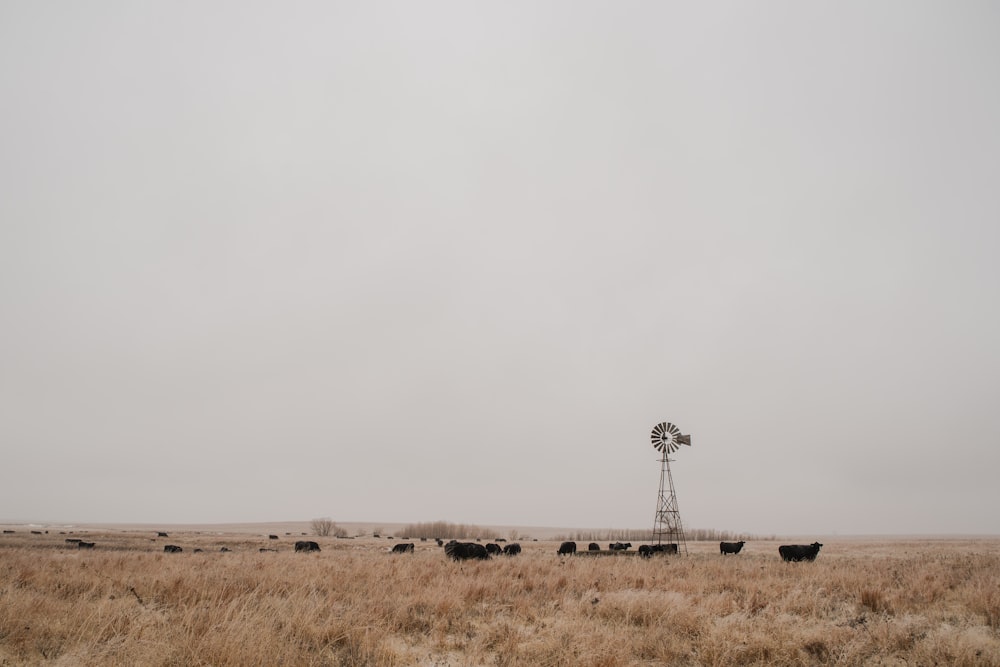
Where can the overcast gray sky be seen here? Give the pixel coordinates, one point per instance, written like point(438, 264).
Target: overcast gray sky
point(454, 260)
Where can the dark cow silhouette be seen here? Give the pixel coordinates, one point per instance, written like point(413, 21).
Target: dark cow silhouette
point(172, 549)
point(797, 552)
point(403, 548)
point(306, 545)
point(647, 550)
point(466, 550)
point(730, 547)
point(84, 545)
point(511, 549)
point(161, 534)
point(494, 549)
point(593, 546)
point(620, 546)
point(567, 548)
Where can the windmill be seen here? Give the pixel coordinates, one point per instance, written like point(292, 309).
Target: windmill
point(667, 528)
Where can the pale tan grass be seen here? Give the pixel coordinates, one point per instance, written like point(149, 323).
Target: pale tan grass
point(127, 603)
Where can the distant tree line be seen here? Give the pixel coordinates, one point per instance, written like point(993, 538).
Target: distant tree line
point(447, 531)
point(646, 535)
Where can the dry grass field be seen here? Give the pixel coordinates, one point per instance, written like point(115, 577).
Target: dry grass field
point(125, 602)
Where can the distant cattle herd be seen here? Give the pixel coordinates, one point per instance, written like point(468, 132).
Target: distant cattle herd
point(461, 551)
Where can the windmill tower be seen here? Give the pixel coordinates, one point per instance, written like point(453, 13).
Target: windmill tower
point(667, 528)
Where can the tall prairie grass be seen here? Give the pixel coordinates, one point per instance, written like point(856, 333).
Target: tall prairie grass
point(127, 603)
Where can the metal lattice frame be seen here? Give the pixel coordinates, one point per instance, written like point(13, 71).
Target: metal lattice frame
point(667, 526)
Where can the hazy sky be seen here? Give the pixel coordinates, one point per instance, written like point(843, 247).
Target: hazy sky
point(454, 260)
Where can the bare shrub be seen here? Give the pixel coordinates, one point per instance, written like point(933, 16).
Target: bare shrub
point(325, 527)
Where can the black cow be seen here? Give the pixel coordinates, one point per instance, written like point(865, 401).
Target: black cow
point(511, 549)
point(466, 550)
point(730, 547)
point(620, 546)
point(172, 549)
point(567, 548)
point(84, 545)
point(403, 548)
point(647, 550)
point(797, 552)
point(306, 545)
point(593, 546)
point(494, 549)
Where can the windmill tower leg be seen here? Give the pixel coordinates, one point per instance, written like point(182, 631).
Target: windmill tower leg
point(667, 527)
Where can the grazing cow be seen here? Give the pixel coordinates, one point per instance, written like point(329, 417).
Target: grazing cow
point(403, 548)
point(466, 550)
point(84, 545)
point(567, 548)
point(620, 546)
point(160, 533)
point(494, 549)
point(593, 546)
point(511, 549)
point(172, 549)
point(306, 545)
point(647, 550)
point(730, 547)
point(797, 552)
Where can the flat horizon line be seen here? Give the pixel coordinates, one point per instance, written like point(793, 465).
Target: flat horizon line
point(526, 527)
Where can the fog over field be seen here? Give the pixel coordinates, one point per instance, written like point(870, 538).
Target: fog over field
point(404, 262)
